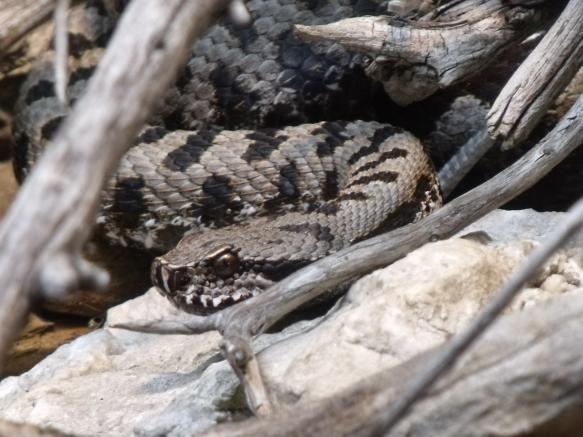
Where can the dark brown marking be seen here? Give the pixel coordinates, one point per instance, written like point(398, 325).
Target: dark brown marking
point(152, 134)
point(189, 153)
point(395, 153)
point(337, 129)
point(330, 188)
point(50, 127)
point(128, 202)
point(385, 156)
point(42, 89)
point(383, 176)
point(288, 181)
point(327, 147)
point(264, 143)
point(80, 74)
point(318, 231)
point(377, 139)
point(218, 203)
point(78, 44)
point(219, 188)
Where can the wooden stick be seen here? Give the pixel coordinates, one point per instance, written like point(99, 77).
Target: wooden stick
point(539, 79)
point(413, 59)
point(43, 232)
point(18, 17)
point(61, 39)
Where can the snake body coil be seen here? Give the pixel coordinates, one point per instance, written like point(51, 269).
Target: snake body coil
point(256, 204)
point(338, 182)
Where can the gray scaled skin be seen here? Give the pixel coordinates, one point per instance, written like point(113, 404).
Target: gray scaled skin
point(382, 178)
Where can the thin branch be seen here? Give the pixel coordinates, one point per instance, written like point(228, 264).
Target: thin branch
point(452, 351)
point(19, 17)
point(61, 51)
point(540, 79)
point(54, 211)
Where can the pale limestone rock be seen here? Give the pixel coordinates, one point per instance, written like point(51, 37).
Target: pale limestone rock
point(117, 382)
point(525, 224)
point(397, 312)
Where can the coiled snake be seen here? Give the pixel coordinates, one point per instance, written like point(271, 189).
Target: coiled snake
point(258, 203)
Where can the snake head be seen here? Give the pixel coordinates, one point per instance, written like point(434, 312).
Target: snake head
point(210, 279)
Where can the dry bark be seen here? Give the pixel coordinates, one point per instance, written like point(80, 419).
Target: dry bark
point(43, 232)
point(540, 79)
point(19, 17)
point(413, 60)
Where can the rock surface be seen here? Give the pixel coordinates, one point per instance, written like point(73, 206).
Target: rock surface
point(116, 382)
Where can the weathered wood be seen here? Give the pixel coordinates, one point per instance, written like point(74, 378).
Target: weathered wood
point(18, 17)
point(523, 377)
point(413, 60)
point(43, 232)
point(540, 79)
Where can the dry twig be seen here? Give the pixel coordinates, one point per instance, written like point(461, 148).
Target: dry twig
point(538, 81)
point(61, 51)
point(43, 232)
point(414, 59)
point(19, 17)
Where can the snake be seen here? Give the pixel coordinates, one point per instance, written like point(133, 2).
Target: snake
point(264, 156)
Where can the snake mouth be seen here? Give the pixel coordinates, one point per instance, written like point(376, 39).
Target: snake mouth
point(193, 292)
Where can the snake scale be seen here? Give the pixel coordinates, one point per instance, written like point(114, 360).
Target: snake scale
point(246, 157)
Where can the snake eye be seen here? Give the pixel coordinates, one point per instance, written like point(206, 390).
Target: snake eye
point(226, 265)
point(179, 279)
